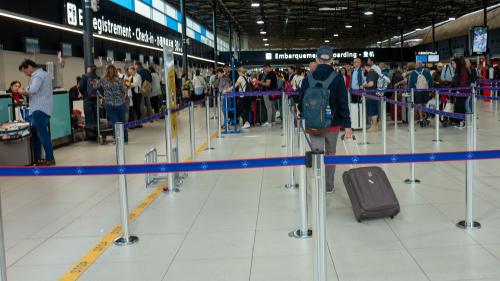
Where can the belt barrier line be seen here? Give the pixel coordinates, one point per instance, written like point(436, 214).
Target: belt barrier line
point(244, 164)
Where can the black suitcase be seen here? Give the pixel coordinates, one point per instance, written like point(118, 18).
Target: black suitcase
point(370, 192)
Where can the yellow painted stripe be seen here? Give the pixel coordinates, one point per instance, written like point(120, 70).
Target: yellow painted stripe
point(93, 254)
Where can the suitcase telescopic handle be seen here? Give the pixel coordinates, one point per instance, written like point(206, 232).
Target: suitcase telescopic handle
point(355, 142)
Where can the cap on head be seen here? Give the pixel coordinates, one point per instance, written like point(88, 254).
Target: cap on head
point(324, 52)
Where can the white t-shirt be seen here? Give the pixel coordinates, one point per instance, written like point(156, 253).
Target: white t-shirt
point(297, 82)
point(242, 81)
point(198, 82)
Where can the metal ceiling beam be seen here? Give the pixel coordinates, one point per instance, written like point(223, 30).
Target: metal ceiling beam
point(228, 13)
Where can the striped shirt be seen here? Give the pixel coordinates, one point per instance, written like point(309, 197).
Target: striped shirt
point(114, 91)
point(40, 92)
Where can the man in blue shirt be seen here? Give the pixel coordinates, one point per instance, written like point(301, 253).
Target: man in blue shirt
point(357, 79)
point(40, 94)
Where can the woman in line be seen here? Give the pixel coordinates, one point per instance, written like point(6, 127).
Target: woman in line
point(244, 103)
point(199, 85)
point(155, 95)
point(115, 97)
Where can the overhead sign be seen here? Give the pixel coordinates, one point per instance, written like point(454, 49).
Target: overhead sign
point(280, 56)
point(103, 25)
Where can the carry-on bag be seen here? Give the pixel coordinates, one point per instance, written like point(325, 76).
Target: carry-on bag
point(370, 192)
point(356, 115)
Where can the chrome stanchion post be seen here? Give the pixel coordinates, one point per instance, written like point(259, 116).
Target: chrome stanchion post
point(411, 126)
point(219, 119)
point(3, 260)
point(383, 104)
point(126, 239)
point(474, 118)
point(192, 132)
point(285, 121)
point(168, 136)
point(290, 148)
point(363, 121)
point(395, 110)
point(303, 231)
point(469, 222)
point(437, 139)
point(319, 214)
point(209, 135)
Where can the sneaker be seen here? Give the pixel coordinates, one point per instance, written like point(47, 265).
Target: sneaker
point(246, 126)
point(329, 189)
point(267, 124)
point(460, 126)
point(278, 114)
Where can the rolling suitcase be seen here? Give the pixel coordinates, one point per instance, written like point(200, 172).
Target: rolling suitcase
point(356, 112)
point(370, 192)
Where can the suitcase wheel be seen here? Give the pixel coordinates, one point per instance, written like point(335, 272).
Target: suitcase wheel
point(359, 220)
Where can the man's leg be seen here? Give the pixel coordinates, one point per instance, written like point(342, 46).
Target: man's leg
point(37, 145)
point(269, 108)
point(42, 129)
point(330, 149)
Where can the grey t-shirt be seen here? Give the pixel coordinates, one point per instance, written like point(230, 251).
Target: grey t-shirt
point(372, 76)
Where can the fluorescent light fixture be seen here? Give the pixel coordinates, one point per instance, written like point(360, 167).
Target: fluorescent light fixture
point(332, 9)
point(260, 22)
point(264, 39)
point(36, 21)
point(368, 13)
point(266, 44)
point(379, 42)
point(418, 29)
point(452, 18)
point(316, 28)
point(335, 35)
point(395, 37)
point(327, 41)
point(348, 26)
point(263, 32)
point(255, 4)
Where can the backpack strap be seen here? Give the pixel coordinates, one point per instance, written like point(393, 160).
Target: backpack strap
point(325, 84)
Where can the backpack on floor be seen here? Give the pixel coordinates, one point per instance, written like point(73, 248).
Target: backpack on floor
point(316, 103)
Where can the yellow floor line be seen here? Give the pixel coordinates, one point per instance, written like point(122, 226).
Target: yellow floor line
point(93, 254)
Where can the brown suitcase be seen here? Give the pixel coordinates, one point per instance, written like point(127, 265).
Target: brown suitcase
point(370, 192)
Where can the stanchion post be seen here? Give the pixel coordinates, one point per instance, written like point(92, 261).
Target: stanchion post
point(209, 135)
point(290, 149)
point(192, 131)
point(219, 119)
point(363, 121)
point(126, 239)
point(383, 104)
point(474, 118)
point(411, 121)
point(319, 214)
point(395, 110)
point(469, 222)
point(437, 139)
point(303, 231)
point(3, 261)
point(284, 104)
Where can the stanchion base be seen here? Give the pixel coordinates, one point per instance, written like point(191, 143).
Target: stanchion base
point(437, 140)
point(462, 225)
point(283, 146)
point(171, 190)
point(363, 143)
point(209, 148)
point(298, 234)
point(124, 242)
point(291, 186)
point(410, 181)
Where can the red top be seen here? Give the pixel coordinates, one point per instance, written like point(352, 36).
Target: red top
point(16, 97)
point(335, 129)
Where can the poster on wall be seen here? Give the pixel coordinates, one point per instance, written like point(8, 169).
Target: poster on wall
point(479, 40)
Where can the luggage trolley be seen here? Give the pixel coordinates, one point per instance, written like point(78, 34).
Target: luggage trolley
point(104, 125)
point(151, 157)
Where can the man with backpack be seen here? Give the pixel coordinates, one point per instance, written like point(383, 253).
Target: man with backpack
point(421, 80)
point(448, 72)
point(89, 89)
point(145, 89)
point(323, 104)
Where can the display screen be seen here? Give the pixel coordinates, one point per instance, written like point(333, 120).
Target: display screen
point(128, 56)
point(67, 50)
point(31, 45)
point(433, 58)
point(479, 39)
point(421, 58)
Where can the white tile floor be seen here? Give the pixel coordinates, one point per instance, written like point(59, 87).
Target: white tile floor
point(233, 225)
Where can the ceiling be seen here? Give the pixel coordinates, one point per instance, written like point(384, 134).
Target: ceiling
point(301, 23)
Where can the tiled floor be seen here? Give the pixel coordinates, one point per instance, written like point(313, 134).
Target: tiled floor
point(233, 225)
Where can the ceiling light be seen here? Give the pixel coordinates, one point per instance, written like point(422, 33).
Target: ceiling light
point(266, 45)
point(418, 29)
point(255, 5)
point(263, 32)
point(451, 19)
point(379, 42)
point(395, 37)
point(332, 9)
point(316, 28)
point(264, 39)
point(335, 35)
point(348, 26)
point(327, 41)
point(260, 22)
point(368, 13)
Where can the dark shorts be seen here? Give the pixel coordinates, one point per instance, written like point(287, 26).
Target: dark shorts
point(372, 107)
point(421, 97)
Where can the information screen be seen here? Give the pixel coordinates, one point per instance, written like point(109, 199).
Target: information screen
point(433, 58)
point(479, 39)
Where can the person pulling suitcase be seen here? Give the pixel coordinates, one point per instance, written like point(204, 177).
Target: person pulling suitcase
point(323, 103)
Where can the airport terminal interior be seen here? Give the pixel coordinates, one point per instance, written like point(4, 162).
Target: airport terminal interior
point(214, 140)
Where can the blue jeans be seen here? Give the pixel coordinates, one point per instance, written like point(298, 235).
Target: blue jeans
point(117, 114)
point(41, 136)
